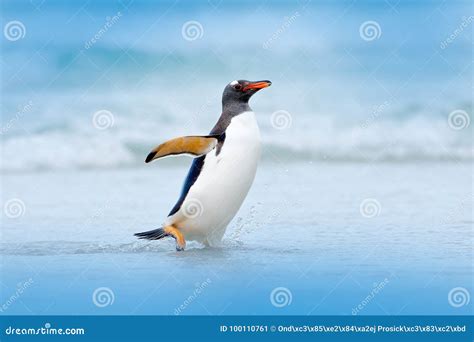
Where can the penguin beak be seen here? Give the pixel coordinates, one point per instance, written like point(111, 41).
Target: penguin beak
point(257, 85)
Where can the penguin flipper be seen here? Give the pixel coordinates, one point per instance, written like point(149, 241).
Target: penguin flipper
point(195, 146)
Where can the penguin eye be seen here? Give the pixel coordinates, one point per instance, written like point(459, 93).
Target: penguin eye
point(238, 86)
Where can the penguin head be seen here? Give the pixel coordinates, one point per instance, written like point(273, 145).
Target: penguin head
point(242, 90)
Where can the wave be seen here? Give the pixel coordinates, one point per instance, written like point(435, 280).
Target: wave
point(306, 139)
point(44, 124)
point(64, 247)
point(46, 248)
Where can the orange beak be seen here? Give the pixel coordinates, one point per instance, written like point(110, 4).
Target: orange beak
point(257, 85)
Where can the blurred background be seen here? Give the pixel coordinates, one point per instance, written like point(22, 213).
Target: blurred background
point(362, 203)
point(353, 80)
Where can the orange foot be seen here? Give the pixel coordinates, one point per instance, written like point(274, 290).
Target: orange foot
point(178, 236)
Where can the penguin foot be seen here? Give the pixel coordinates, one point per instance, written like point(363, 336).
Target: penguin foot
point(178, 236)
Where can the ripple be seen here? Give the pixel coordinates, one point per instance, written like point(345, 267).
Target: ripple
point(47, 248)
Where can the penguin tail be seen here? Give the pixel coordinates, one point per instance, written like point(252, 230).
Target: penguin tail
point(154, 234)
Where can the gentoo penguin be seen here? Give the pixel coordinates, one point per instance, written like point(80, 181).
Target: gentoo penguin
point(221, 174)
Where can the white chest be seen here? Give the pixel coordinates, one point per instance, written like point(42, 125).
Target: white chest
point(224, 181)
point(231, 172)
point(242, 139)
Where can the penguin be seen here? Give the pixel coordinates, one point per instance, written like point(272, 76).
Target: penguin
point(221, 174)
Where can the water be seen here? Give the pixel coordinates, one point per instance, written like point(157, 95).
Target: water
point(71, 241)
point(349, 99)
point(368, 124)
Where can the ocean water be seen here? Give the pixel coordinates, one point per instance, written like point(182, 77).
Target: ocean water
point(363, 200)
point(316, 242)
point(343, 98)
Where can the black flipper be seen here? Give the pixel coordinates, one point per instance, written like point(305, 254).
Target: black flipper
point(154, 234)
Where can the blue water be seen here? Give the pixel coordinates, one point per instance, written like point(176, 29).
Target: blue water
point(349, 99)
point(313, 241)
point(369, 120)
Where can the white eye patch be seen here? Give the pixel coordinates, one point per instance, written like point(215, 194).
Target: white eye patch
point(233, 83)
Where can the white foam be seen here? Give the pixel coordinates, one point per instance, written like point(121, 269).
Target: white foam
point(310, 137)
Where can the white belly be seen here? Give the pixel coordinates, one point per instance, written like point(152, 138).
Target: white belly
point(224, 181)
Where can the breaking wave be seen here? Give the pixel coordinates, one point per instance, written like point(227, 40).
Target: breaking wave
point(126, 144)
